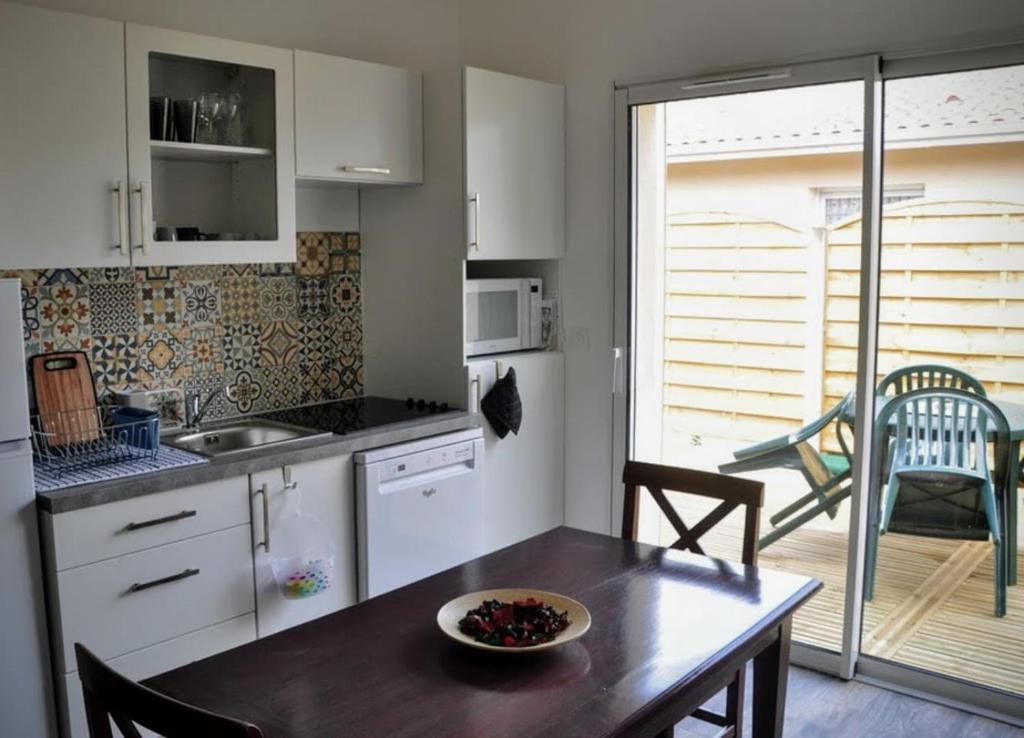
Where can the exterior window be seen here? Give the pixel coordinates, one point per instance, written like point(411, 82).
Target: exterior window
point(842, 205)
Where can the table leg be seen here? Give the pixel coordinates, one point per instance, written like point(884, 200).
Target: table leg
point(771, 675)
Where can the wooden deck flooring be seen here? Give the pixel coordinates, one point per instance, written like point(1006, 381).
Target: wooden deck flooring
point(933, 606)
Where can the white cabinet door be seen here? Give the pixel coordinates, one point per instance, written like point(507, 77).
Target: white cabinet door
point(324, 489)
point(356, 121)
point(62, 139)
point(523, 474)
point(238, 189)
point(515, 167)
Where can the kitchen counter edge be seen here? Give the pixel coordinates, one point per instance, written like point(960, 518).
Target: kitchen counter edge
point(249, 462)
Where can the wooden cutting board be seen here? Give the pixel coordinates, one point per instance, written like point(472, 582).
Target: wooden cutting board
point(65, 397)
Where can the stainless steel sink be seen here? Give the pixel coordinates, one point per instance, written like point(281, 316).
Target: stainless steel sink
point(238, 436)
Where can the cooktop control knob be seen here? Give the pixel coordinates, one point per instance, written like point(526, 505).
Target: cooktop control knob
point(444, 407)
point(409, 402)
point(433, 407)
point(421, 404)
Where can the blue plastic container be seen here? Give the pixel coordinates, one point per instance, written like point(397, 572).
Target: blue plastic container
point(137, 427)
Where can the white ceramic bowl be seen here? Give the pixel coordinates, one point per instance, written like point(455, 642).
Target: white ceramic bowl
point(452, 612)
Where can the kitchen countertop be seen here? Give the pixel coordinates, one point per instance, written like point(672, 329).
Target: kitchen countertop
point(249, 462)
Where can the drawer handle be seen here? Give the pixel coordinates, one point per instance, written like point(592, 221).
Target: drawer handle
point(166, 580)
point(357, 169)
point(159, 521)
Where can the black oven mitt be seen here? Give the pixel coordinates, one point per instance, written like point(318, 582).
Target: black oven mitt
point(502, 406)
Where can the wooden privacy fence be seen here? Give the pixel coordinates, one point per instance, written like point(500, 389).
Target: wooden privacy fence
point(735, 325)
point(744, 358)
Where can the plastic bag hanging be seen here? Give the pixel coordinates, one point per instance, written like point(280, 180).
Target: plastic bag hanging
point(303, 558)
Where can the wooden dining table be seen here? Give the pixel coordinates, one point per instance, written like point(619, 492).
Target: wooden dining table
point(670, 629)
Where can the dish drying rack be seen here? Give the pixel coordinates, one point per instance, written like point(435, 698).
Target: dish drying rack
point(74, 440)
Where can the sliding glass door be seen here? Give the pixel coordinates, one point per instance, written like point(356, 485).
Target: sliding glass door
point(743, 334)
point(770, 271)
point(952, 295)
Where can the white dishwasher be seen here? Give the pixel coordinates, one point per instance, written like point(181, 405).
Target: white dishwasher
point(419, 509)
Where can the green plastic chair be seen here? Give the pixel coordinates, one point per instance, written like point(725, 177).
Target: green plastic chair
point(939, 481)
point(828, 475)
point(928, 376)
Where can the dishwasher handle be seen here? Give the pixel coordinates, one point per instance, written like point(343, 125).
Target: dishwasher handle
point(427, 479)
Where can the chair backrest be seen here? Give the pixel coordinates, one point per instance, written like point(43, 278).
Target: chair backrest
point(732, 491)
point(945, 430)
point(928, 376)
point(110, 696)
point(841, 411)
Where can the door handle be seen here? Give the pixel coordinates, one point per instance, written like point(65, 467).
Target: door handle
point(618, 370)
point(145, 236)
point(264, 493)
point(120, 193)
point(474, 242)
point(476, 381)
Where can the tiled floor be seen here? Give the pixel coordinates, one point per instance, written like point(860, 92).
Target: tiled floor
point(820, 706)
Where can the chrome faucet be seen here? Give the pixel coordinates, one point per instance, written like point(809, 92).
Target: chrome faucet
point(194, 411)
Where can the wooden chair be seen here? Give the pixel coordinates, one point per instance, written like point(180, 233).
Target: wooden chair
point(733, 492)
point(110, 696)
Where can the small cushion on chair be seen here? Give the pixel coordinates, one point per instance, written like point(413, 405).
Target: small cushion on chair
point(836, 463)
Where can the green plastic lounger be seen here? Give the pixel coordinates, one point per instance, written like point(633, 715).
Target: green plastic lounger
point(827, 475)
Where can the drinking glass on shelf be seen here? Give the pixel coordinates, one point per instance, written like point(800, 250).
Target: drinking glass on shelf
point(211, 105)
point(230, 129)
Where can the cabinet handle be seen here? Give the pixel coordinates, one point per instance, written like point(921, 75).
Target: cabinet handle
point(474, 242)
point(476, 381)
point(159, 521)
point(264, 492)
point(144, 227)
point(358, 169)
point(166, 580)
point(121, 196)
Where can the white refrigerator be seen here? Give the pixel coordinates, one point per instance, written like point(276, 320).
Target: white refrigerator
point(26, 694)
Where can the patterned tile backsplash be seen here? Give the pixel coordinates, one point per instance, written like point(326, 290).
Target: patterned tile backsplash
point(274, 335)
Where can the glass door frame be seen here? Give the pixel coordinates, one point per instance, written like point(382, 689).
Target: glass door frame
point(872, 70)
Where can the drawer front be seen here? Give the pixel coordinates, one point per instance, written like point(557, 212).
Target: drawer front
point(155, 660)
point(134, 601)
point(104, 531)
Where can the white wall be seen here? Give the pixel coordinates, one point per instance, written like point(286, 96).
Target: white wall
point(617, 40)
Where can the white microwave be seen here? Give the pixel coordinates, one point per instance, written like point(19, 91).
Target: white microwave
point(502, 315)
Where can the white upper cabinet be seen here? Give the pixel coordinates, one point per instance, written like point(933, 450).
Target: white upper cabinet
point(356, 121)
point(515, 167)
point(219, 188)
point(62, 139)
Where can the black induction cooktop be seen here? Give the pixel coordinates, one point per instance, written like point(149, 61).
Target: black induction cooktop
point(346, 416)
